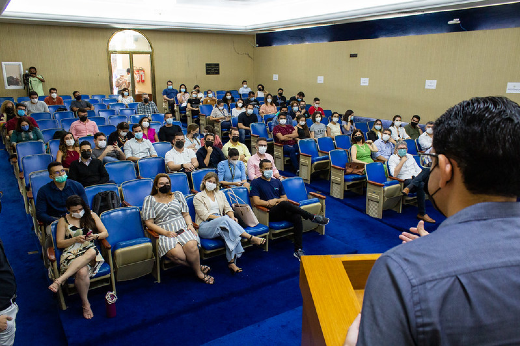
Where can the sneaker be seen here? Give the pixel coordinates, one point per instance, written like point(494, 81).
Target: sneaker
point(322, 220)
point(298, 254)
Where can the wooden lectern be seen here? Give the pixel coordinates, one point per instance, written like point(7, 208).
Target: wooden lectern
point(332, 288)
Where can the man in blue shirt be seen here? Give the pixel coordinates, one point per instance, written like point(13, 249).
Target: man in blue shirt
point(269, 193)
point(460, 284)
point(385, 146)
point(169, 95)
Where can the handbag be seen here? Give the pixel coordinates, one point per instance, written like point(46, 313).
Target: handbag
point(355, 168)
point(242, 210)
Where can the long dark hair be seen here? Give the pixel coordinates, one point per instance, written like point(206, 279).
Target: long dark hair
point(305, 127)
point(19, 124)
point(354, 134)
point(155, 190)
point(347, 114)
point(63, 145)
point(87, 221)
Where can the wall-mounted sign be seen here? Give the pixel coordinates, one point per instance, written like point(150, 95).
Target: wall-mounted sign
point(212, 68)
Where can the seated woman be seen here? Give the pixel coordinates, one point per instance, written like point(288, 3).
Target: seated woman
point(120, 135)
point(182, 98)
point(216, 219)
point(68, 150)
point(361, 151)
point(398, 131)
point(220, 114)
point(348, 122)
point(194, 103)
point(191, 140)
point(166, 213)
point(268, 107)
point(25, 132)
point(148, 132)
point(210, 129)
point(261, 92)
point(228, 99)
point(232, 172)
point(239, 108)
point(318, 129)
point(302, 128)
point(125, 97)
point(76, 233)
point(6, 111)
point(377, 131)
point(334, 128)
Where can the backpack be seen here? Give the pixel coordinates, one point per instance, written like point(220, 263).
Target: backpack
point(105, 200)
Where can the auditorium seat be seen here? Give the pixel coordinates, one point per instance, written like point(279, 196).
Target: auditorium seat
point(179, 181)
point(325, 145)
point(121, 171)
point(63, 115)
point(134, 118)
point(41, 116)
point(132, 105)
point(197, 176)
point(49, 133)
point(45, 124)
point(133, 192)
point(106, 129)
point(127, 111)
point(116, 119)
point(311, 160)
point(93, 190)
point(259, 130)
point(98, 107)
point(54, 108)
point(412, 149)
point(106, 113)
point(343, 142)
point(89, 139)
point(382, 193)
point(162, 148)
point(158, 117)
point(98, 120)
point(66, 123)
point(31, 163)
point(54, 147)
point(151, 166)
point(339, 181)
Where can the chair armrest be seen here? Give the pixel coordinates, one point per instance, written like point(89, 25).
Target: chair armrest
point(293, 202)
point(126, 204)
point(196, 226)
point(278, 144)
point(194, 191)
point(50, 254)
point(105, 244)
point(255, 135)
point(302, 154)
point(139, 177)
point(338, 167)
point(394, 178)
point(20, 175)
point(152, 233)
point(323, 152)
point(317, 195)
point(29, 194)
point(374, 183)
point(262, 208)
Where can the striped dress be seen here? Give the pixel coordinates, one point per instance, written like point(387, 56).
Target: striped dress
point(169, 217)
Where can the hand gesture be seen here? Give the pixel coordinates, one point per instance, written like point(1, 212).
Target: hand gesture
point(91, 237)
point(369, 142)
point(192, 229)
point(80, 239)
point(171, 234)
point(188, 167)
point(404, 158)
point(353, 332)
point(209, 149)
point(407, 237)
point(3, 322)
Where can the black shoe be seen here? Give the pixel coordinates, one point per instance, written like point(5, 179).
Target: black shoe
point(298, 254)
point(322, 220)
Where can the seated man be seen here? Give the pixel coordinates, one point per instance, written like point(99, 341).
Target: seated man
point(138, 148)
point(220, 114)
point(209, 156)
point(169, 96)
point(210, 99)
point(104, 151)
point(147, 107)
point(245, 119)
point(244, 89)
point(278, 99)
point(83, 126)
point(79, 103)
point(269, 193)
point(285, 134)
point(412, 129)
point(168, 131)
point(316, 107)
point(88, 171)
point(232, 172)
point(53, 98)
point(385, 146)
point(234, 143)
point(35, 106)
point(251, 100)
point(180, 158)
point(253, 165)
point(403, 166)
point(287, 116)
point(10, 126)
point(426, 139)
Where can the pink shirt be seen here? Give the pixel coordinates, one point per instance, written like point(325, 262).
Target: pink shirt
point(82, 129)
point(265, 109)
point(150, 136)
point(253, 166)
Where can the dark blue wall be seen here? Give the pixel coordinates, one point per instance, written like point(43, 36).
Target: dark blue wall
point(484, 18)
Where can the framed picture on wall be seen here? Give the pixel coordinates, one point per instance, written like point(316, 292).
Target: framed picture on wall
point(13, 75)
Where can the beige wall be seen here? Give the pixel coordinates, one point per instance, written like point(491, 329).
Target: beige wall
point(466, 64)
point(73, 58)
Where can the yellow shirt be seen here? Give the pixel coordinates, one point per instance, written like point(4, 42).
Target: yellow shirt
point(242, 150)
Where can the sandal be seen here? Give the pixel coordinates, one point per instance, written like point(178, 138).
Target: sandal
point(234, 271)
point(205, 269)
point(53, 288)
point(259, 244)
point(207, 279)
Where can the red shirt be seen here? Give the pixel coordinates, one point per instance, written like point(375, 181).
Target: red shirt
point(11, 124)
point(51, 102)
point(313, 109)
point(283, 130)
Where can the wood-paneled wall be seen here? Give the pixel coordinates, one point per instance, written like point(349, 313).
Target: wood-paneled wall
point(465, 64)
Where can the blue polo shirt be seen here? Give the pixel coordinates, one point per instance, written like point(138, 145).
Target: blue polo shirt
point(50, 203)
point(267, 189)
point(170, 93)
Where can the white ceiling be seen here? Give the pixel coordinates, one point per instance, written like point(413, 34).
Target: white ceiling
point(243, 16)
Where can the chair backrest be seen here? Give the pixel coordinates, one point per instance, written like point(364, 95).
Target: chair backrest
point(156, 126)
point(29, 148)
point(46, 124)
point(198, 175)
point(162, 148)
point(134, 118)
point(91, 113)
point(93, 190)
point(135, 191)
point(234, 121)
point(127, 111)
point(85, 96)
point(151, 166)
point(67, 102)
point(235, 94)
point(191, 206)
point(241, 192)
point(206, 109)
point(108, 101)
point(54, 147)
point(94, 101)
point(54, 108)
point(259, 129)
point(412, 149)
point(338, 157)
point(327, 113)
point(326, 144)
point(295, 189)
point(129, 217)
point(37, 180)
point(309, 122)
point(41, 116)
point(107, 113)
point(32, 163)
point(63, 115)
point(308, 146)
point(48, 134)
point(343, 142)
point(116, 106)
point(66, 123)
point(106, 129)
point(98, 97)
point(89, 139)
point(99, 106)
point(57, 250)
point(23, 99)
point(158, 117)
point(116, 119)
point(113, 97)
point(66, 97)
point(180, 183)
point(98, 120)
point(362, 126)
point(6, 98)
point(418, 160)
point(132, 105)
point(376, 172)
point(121, 171)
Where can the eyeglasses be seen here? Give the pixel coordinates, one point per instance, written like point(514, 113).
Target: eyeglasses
point(59, 172)
point(425, 160)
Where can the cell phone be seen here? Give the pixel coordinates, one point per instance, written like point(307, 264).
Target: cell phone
point(179, 232)
point(88, 233)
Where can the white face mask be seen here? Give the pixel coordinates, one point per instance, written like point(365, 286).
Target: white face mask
point(210, 95)
point(316, 105)
point(249, 111)
point(145, 124)
point(239, 105)
point(335, 119)
point(123, 133)
point(78, 215)
point(221, 107)
point(233, 162)
point(386, 137)
point(54, 95)
point(34, 100)
point(429, 130)
point(283, 121)
point(318, 119)
point(193, 95)
point(262, 149)
point(69, 142)
point(269, 100)
point(210, 186)
point(102, 144)
point(302, 122)
point(228, 97)
point(397, 123)
point(245, 85)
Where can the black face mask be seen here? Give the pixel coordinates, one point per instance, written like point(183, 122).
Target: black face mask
point(280, 94)
point(86, 155)
point(165, 189)
point(179, 144)
point(209, 144)
point(83, 118)
point(146, 100)
point(358, 138)
point(430, 196)
point(234, 138)
point(9, 110)
point(260, 89)
point(78, 98)
point(414, 124)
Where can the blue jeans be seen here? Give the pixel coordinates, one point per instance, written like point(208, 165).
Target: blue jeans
point(292, 150)
point(242, 135)
point(417, 185)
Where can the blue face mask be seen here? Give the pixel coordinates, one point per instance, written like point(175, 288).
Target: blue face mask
point(196, 135)
point(295, 109)
point(183, 90)
point(25, 127)
point(170, 86)
point(268, 173)
point(401, 152)
point(252, 98)
point(169, 121)
point(21, 112)
point(138, 135)
point(61, 178)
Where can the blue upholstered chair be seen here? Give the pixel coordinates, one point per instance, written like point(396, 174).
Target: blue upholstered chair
point(205, 111)
point(106, 129)
point(310, 159)
point(197, 176)
point(133, 192)
point(121, 171)
point(63, 115)
point(151, 166)
point(93, 190)
point(127, 111)
point(106, 113)
point(180, 183)
point(116, 119)
point(162, 148)
point(29, 164)
point(41, 116)
point(343, 142)
point(382, 193)
point(259, 130)
point(45, 124)
point(48, 134)
point(98, 120)
point(339, 181)
point(325, 145)
point(362, 126)
point(66, 123)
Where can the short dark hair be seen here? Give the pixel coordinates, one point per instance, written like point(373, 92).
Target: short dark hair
point(128, 70)
point(233, 129)
point(75, 92)
point(300, 93)
point(282, 114)
point(33, 93)
point(429, 123)
point(82, 110)
point(85, 143)
point(233, 152)
point(261, 164)
point(178, 134)
point(316, 99)
point(219, 102)
point(244, 81)
point(483, 136)
point(32, 67)
point(123, 126)
point(196, 86)
point(251, 93)
point(169, 82)
point(134, 126)
point(280, 89)
point(208, 135)
point(51, 89)
point(19, 104)
point(99, 134)
point(261, 139)
point(417, 117)
point(53, 164)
